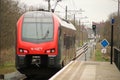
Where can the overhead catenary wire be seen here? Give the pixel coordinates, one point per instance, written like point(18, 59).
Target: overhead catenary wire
point(63, 9)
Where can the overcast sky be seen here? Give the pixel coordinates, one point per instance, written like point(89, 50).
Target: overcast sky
point(95, 10)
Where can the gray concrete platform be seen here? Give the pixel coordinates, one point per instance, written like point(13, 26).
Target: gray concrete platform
point(88, 70)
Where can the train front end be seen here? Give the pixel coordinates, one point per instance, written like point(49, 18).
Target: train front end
point(37, 40)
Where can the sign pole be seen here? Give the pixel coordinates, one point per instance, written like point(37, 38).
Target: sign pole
point(112, 41)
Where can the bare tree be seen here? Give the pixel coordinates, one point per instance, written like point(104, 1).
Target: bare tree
point(9, 14)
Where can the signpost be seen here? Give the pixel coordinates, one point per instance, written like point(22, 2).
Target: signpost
point(103, 50)
point(104, 44)
point(112, 22)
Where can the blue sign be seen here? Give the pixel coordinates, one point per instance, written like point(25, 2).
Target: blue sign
point(113, 21)
point(104, 43)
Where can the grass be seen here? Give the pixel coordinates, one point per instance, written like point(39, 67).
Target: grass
point(8, 67)
point(7, 63)
point(100, 56)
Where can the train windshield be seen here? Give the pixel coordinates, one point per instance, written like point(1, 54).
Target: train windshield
point(37, 30)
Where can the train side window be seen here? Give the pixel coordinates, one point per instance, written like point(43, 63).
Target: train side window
point(66, 41)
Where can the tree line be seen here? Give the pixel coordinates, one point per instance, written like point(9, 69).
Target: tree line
point(106, 30)
point(9, 14)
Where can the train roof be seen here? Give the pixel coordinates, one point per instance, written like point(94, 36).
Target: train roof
point(38, 14)
point(42, 14)
point(66, 24)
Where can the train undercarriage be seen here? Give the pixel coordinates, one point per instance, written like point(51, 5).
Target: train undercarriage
point(37, 64)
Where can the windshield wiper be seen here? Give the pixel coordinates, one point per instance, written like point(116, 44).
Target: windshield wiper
point(46, 35)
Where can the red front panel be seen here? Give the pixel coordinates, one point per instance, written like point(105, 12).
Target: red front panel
point(48, 48)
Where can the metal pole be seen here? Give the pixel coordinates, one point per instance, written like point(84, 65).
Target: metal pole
point(79, 32)
point(118, 8)
point(85, 57)
point(111, 44)
point(55, 5)
point(82, 34)
point(66, 13)
point(0, 45)
point(118, 22)
point(49, 5)
point(0, 57)
point(74, 19)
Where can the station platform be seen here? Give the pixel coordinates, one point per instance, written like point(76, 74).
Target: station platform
point(88, 70)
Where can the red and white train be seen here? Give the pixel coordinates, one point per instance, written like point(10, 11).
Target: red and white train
point(43, 39)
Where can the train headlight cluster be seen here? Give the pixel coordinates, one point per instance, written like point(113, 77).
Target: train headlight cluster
point(23, 50)
point(50, 50)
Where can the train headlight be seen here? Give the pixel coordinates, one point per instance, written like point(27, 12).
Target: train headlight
point(23, 50)
point(47, 51)
point(50, 50)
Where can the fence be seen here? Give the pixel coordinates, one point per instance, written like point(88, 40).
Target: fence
point(117, 57)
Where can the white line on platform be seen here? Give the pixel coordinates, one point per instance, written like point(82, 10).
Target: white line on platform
point(52, 78)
